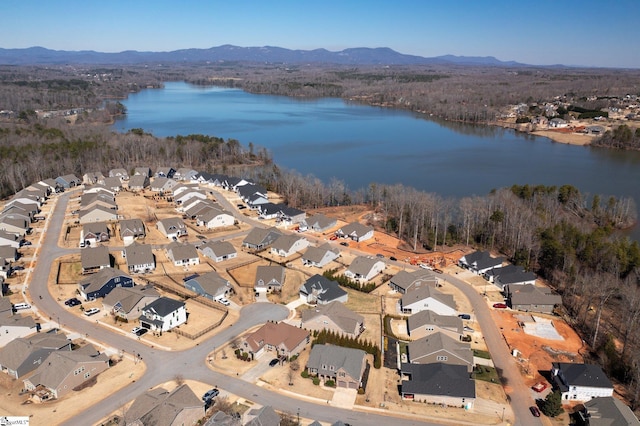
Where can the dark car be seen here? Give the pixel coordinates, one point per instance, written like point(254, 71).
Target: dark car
point(500, 305)
point(141, 332)
point(534, 410)
point(344, 243)
point(464, 316)
point(210, 394)
point(438, 271)
point(26, 243)
point(274, 362)
point(392, 258)
point(380, 256)
point(72, 302)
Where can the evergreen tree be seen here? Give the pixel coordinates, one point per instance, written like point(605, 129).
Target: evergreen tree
point(552, 405)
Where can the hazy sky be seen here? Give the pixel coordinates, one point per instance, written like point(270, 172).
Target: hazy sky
point(542, 32)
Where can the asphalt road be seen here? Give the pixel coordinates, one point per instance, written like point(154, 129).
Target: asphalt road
point(163, 366)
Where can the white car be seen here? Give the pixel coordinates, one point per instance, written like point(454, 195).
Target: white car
point(425, 266)
point(91, 311)
point(223, 300)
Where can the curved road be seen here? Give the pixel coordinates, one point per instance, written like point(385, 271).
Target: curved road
point(163, 366)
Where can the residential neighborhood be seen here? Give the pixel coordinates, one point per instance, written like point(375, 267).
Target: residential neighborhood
point(173, 271)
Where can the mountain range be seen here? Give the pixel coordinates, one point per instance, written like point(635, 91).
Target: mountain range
point(229, 53)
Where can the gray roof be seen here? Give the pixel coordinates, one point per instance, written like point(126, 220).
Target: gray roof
point(326, 290)
point(427, 317)
point(96, 281)
point(16, 320)
point(8, 252)
point(160, 407)
point(219, 248)
point(172, 222)
point(182, 251)
point(422, 293)
point(163, 306)
point(529, 294)
point(583, 375)
point(59, 364)
point(139, 254)
point(138, 181)
point(362, 265)
point(211, 213)
point(265, 416)
point(316, 254)
point(320, 221)
point(258, 236)
point(129, 297)
point(108, 213)
point(438, 379)
point(269, 274)
point(356, 228)
point(95, 257)
point(285, 242)
point(610, 411)
point(18, 350)
point(344, 318)
point(408, 280)
point(133, 227)
point(95, 228)
point(349, 359)
point(437, 342)
point(211, 282)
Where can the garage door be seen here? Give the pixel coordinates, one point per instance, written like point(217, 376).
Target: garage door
point(342, 384)
point(353, 385)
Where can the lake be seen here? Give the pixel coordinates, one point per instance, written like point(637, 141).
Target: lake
point(330, 138)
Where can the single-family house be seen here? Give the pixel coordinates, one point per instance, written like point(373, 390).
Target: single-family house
point(172, 227)
point(8, 253)
point(356, 231)
point(509, 275)
point(98, 196)
point(480, 262)
point(16, 326)
point(439, 347)
point(210, 285)
point(291, 215)
point(188, 194)
point(288, 245)
point(345, 366)
point(94, 233)
point(233, 183)
point(261, 238)
point(25, 209)
point(142, 171)
point(17, 212)
point(183, 254)
point(335, 317)
point(179, 407)
point(247, 191)
point(162, 184)
point(264, 416)
point(256, 200)
point(605, 411)
point(281, 338)
point(214, 218)
point(185, 174)
point(425, 323)
point(140, 258)
point(219, 250)
point(68, 181)
point(404, 281)
point(320, 222)
point(102, 282)
point(23, 355)
point(427, 298)
point(269, 278)
point(138, 183)
point(558, 123)
point(9, 239)
point(113, 183)
point(127, 302)
point(163, 314)
point(320, 256)
point(364, 268)
point(580, 382)
point(269, 210)
point(64, 371)
point(130, 230)
point(438, 383)
point(89, 178)
point(195, 207)
point(321, 290)
point(95, 258)
point(121, 174)
point(15, 224)
point(97, 214)
point(165, 172)
point(530, 298)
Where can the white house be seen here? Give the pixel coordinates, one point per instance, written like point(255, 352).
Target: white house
point(364, 268)
point(219, 250)
point(356, 231)
point(288, 245)
point(320, 256)
point(214, 218)
point(427, 298)
point(580, 382)
point(163, 314)
point(172, 227)
point(183, 254)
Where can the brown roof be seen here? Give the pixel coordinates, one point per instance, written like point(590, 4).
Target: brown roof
point(276, 334)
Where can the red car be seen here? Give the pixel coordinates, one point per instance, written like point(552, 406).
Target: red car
point(534, 410)
point(500, 305)
point(539, 387)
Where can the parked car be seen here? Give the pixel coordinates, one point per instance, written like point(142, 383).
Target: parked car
point(91, 311)
point(540, 386)
point(344, 243)
point(25, 243)
point(465, 316)
point(425, 266)
point(72, 302)
point(210, 394)
point(534, 410)
point(333, 237)
point(500, 305)
point(202, 237)
point(380, 256)
point(142, 331)
point(274, 362)
point(438, 271)
point(223, 300)
point(392, 258)
point(19, 306)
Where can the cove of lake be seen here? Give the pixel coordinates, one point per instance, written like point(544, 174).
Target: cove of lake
point(359, 145)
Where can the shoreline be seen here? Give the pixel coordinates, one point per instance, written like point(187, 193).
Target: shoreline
point(559, 136)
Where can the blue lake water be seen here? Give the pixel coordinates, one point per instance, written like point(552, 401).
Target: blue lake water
point(331, 138)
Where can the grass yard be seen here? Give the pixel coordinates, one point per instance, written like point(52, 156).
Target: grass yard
point(487, 374)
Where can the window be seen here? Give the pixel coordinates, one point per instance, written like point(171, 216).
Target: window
point(331, 368)
point(87, 375)
point(441, 358)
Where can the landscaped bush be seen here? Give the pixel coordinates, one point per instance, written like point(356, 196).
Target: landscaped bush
point(316, 381)
point(304, 374)
point(330, 383)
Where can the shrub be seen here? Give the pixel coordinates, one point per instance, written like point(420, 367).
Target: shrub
point(330, 383)
point(316, 381)
point(304, 374)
